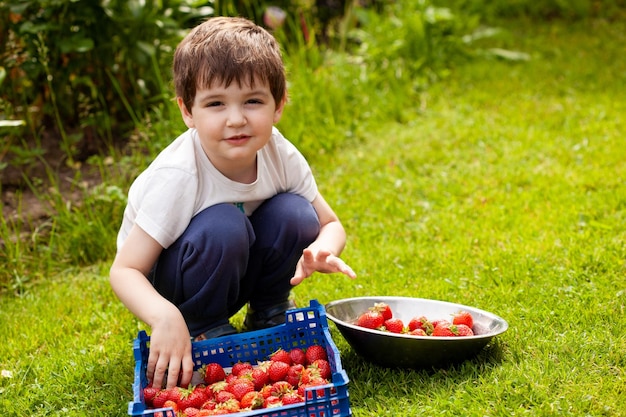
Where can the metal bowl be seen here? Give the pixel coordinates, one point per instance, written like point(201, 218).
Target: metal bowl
point(407, 351)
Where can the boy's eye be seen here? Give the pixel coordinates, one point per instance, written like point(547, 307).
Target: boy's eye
point(254, 101)
point(214, 104)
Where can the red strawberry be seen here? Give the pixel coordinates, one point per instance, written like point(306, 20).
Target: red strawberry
point(394, 325)
point(370, 320)
point(278, 371)
point(272, 401)
point(324, 368)
point(463, 317)
point(212, 372)
point(442, 322)
point(383, 309)
point(159, 399)
point(239, 367)
point(241, 387)
point(294, 375)
point(315, 352)
point(171, 404)
point(282, 356)
point(193, 397)
point(232, 377)
point(280, 388)
point(148, 394)
point(417, 332)
point(252, 400)
point(232, 406)
point(223, 396)
point(209, 405)
point(260, 377)
point(420, 323)
point(313, 383)
point(292, 398)
point(191, 412)
point(266, 391)
point(297, 356)
point(463, 330)
point(449, 330)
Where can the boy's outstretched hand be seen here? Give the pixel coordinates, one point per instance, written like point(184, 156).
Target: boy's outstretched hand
point(320, 261)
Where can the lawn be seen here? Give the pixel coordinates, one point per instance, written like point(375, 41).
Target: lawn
point(501, 188)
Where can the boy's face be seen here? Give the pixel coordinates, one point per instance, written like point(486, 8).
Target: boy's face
point(233, 123)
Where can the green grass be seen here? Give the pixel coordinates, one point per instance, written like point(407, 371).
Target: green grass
point(504, 190)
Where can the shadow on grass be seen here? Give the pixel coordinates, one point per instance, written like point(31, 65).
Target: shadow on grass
point(372, 384)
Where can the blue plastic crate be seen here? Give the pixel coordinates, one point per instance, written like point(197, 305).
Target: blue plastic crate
point(304, 327)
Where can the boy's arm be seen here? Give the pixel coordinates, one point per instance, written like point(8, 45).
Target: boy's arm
point(323, 254)
point(170, 345)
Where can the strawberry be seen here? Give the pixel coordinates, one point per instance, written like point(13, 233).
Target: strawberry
point(294, 375)
point(193, 397)
point(272, 401)
point(442, 322)
point(370, 320)
point(394, 325)
point(292, 398)
point(259, 377)
point(171, 404)
point(241, 387)
point(191, 412)
point(315, 352)
point(464, 330)
point(452, 330)
point(463, 317)
point(223, 396)
point(252, 400)
point(266, 391)
point(278, 371)
point(384, 309)
point(324, 368)
point(280, 388)
point(232, 377)
point(159, 399)
point(212, 372)
point(209, 405)
point(281, 355)
point(302, 389)
point(239, 367)
point(232, 406)
point(420, 323)
point(148, 394)
point(417, 332)
point(297, 356)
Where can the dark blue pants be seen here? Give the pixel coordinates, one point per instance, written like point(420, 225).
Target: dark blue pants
point(225, 259)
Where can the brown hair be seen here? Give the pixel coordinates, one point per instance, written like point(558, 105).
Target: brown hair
point(226, 49)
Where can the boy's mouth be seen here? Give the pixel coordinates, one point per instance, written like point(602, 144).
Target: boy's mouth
point(237, 138)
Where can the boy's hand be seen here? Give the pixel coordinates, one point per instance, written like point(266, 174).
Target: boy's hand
point(320, 261)
point(170, 351)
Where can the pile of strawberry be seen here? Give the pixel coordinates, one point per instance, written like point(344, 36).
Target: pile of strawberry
point(380, 317)
point(279, 381)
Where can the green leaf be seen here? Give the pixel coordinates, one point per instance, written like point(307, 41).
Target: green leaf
point(76, 44)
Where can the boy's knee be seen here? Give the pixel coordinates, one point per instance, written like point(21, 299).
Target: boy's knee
point(224, 224)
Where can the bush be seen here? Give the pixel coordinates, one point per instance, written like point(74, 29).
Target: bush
point(87, 70)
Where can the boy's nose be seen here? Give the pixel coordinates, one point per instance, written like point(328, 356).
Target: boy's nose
point(236, 117)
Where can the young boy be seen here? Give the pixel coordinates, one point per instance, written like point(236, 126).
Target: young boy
point(229, 213)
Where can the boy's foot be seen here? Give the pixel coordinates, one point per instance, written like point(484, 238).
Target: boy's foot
point(221, 330)
point(269, 317)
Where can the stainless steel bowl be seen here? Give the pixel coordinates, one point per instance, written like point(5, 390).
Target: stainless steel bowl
point(399, 350)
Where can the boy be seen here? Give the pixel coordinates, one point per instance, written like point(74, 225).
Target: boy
point(229, 213)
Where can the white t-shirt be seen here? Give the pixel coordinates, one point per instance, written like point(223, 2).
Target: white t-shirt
point(182, 181)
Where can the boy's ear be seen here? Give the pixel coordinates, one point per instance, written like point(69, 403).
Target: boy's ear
point(279, 109)
point(185, 113)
